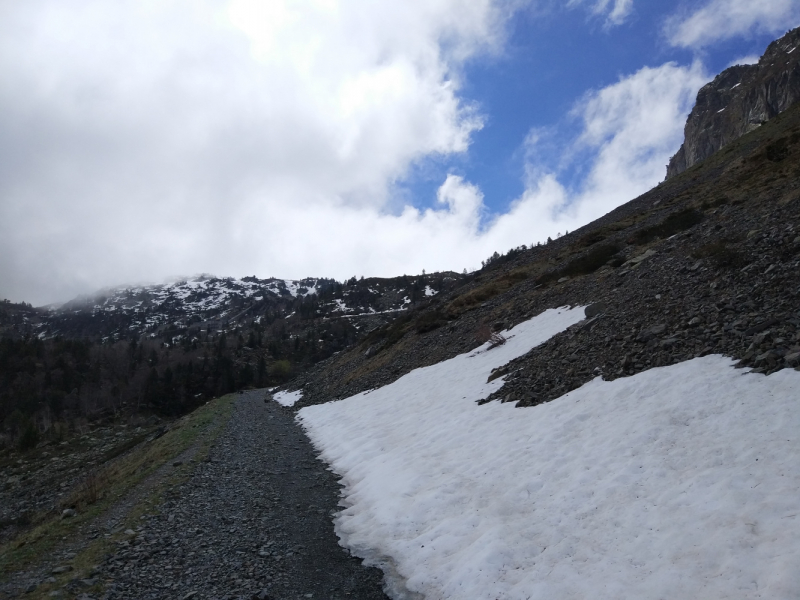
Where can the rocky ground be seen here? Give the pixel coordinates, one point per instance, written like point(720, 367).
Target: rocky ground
point(676, 305)
point(42, 480)
point(254, 521)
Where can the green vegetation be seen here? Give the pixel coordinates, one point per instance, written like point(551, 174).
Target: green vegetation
point(722, 255)
point(583, 264)
point(110, 482)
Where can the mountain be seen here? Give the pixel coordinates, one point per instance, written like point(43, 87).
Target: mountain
point(173, 311)
point(707, 262)
point(168, 348)
point(633, 441)
point(739, 100)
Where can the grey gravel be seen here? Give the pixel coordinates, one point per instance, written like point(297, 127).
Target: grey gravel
point(254, 522)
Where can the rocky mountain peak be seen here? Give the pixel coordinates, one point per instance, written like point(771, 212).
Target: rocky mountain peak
point(739, 100)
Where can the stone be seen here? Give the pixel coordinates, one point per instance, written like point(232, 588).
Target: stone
point(595, 309)
point(793, 358)
point(191, 594)
point(765, 357)
point(68, 513)
point(61, 569)
point(647, 254)
point(651, 332)
point(761, 326)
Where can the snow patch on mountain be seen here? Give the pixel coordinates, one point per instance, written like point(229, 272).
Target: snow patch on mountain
point(683, 478)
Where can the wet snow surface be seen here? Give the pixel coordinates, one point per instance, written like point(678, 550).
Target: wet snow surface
point(287, 398)
point(681, 481)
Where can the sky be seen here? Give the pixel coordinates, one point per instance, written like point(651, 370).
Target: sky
point(142, 141)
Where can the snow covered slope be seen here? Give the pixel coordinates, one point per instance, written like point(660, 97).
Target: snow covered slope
point(680, 482)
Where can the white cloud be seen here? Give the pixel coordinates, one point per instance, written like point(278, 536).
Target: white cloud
point(630, 130)
point(614, 11)
point(723, 19)
point(749, 59)
point(143, 140)
point(140, 134)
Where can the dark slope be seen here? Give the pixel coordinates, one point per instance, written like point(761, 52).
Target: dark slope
point(721, 245)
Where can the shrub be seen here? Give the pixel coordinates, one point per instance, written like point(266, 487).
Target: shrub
point(674, 223)
point(778, 150)
point(280, 370)
point(485, 334)
point(582, 265)
point(429, 321)
point(722, 256)
point(29, 438)
point(591, 261)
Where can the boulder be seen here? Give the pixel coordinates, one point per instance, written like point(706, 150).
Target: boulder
point(595, 309)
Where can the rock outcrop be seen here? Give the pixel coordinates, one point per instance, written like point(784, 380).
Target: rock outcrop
point(739, 100)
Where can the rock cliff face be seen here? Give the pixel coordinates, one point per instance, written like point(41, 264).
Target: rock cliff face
point(739, 100)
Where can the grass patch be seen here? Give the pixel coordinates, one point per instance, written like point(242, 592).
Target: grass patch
point(489, 290)
point(583, 264)
point(389, 334)
point(722, 256)
point(429, 321)
point(101, 489)
point(675, 223)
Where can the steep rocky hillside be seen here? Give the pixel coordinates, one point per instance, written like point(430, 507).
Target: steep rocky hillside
point(706, 262)
point(739, 100)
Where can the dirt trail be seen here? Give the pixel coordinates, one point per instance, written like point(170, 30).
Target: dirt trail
point(253, 522)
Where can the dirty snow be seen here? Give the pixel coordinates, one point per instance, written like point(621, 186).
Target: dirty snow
point(681, 481)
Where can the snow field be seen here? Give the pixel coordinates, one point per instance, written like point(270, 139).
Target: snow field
point(680, 482)
point(287, 398)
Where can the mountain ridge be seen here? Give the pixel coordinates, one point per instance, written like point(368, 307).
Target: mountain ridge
point(739, 100)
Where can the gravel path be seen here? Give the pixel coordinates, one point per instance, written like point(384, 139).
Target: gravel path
point(253, 522)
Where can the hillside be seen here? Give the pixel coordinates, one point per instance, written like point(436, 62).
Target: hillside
point(706, 262)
